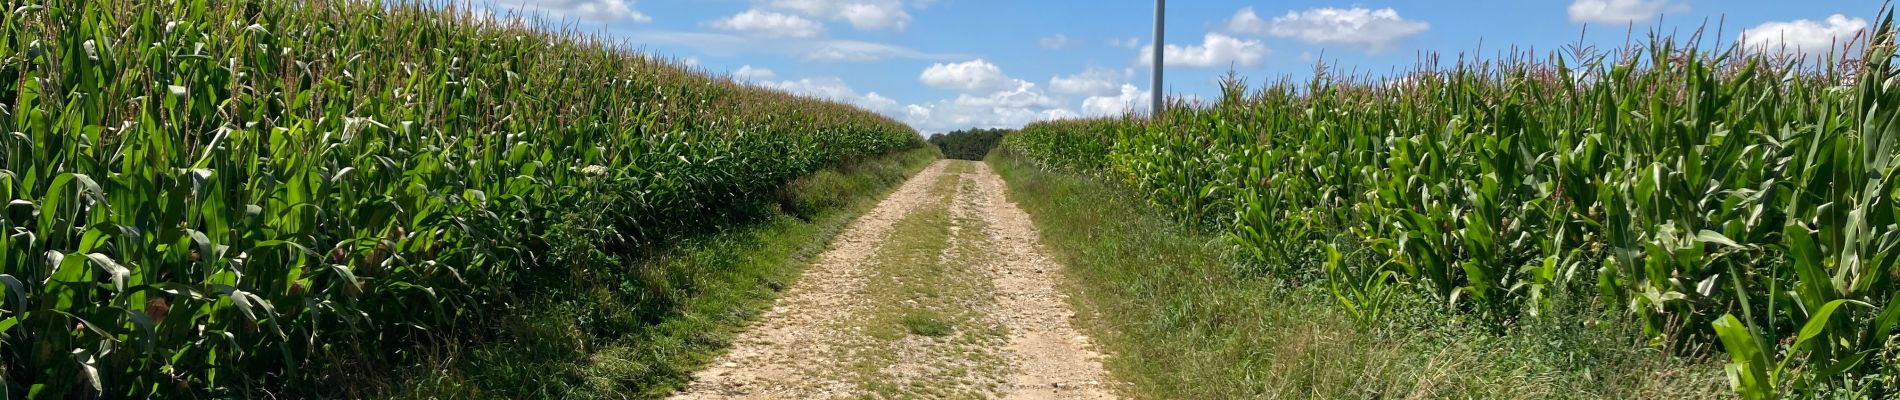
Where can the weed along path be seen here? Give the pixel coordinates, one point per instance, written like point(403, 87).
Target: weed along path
point(938, 292)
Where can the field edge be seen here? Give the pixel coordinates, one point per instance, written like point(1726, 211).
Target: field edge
point(548, 352)
point(1178, 317)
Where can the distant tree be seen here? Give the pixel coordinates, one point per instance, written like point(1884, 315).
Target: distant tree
point(972, 144)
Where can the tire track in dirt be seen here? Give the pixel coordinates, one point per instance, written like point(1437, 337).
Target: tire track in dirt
point(1053, 359)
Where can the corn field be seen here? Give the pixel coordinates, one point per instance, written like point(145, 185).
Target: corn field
point(233, 197)
point(1732, 199)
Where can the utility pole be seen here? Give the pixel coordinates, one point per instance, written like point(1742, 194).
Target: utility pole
point(1161, 11)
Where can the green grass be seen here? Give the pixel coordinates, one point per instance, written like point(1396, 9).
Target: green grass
point(1182, 316)
point(926, 323)
point(921, 313)
point(548, 351)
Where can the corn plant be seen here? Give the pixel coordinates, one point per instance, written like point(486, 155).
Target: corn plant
point(252, 197)
point(1072, 145)
point(1732, 196)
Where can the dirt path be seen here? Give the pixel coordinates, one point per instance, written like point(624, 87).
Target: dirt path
point(939, 292)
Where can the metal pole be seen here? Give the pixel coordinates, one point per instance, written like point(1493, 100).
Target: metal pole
point(1161, 10)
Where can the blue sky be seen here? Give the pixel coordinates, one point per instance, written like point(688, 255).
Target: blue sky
point(942, 65)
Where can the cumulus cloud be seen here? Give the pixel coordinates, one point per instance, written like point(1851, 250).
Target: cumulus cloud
point(1016, 106)
point(1012, 107)
point(1216, 50)
point(1621, 11)
point(824, 88)
point(877, 103)
point(992, 99)
point(1054, 42)
point(1126, 43)
point(1092, 82)
point(861, 14)
point(970, 76)
point(831, 50)
point(592, 10)
point(987, 97)
point(1130, 99)
point(1374, 30)
point(1804, 36)
point(1246, 21)
point(751, 73)
point(948, 115)
point(1024, 95)
point(770, 23)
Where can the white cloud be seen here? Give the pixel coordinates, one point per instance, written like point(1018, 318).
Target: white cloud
point(877, 103)
point(1246, 21)
point(815, 50)
point(870, 16)
point(1008, 108)
point(824, 88)
point(852, 50)
point(593, 10)
point(1804, 36)
point(770, 23)
point(751, 73)
point(1131, 99)
point(1054, 42)
point(1216, 50)
point(948, 115)
point(861, 14)
point(1126, 43)
point(688, 61)
point(1622, 11)
point(1374, 30)
point(1025, 95)
point(1093, 82)
point(970, 76)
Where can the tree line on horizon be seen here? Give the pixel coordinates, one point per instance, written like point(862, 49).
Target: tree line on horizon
point(970, 144)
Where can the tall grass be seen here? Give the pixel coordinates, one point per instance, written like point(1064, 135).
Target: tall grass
point(1725, 197)
point(238, 197)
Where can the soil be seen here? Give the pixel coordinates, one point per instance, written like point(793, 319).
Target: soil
point(940, 291)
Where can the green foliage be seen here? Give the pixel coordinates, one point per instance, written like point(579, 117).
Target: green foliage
point(1183, 319)
point(1721, 197)
point(971, 144)
point(234, 198)
point(580, 340)
point(1081, 145)
point(925, 323)
point(831, 188)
